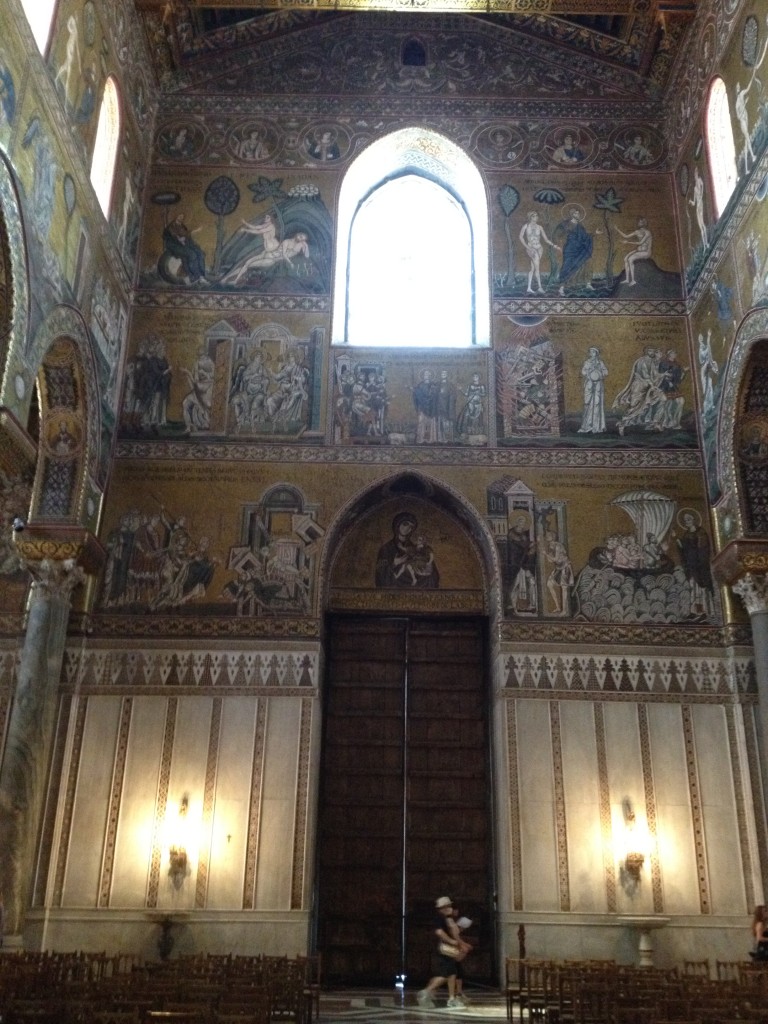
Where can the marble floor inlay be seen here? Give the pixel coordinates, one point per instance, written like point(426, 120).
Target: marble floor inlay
point(355, 1006)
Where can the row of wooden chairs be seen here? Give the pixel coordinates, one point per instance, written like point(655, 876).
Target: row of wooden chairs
point(94, 989)
point(604, 992)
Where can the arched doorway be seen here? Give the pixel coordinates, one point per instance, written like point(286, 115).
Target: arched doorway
point(405, 810)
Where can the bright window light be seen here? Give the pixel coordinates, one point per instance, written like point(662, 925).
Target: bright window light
point(39, 15)
point(105, 147)
point(412, 256)
point(721, 148)
point(408, 289)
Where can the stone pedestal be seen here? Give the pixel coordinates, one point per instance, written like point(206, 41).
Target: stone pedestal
point(644, 927)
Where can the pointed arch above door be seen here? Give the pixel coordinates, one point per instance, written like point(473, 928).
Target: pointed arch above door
point(409, 545)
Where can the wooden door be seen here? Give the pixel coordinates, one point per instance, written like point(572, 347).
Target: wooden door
point(405, 796)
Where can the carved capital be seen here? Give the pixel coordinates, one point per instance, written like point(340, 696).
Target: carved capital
point(42, 547)
point(753, 590)
point(57, 579)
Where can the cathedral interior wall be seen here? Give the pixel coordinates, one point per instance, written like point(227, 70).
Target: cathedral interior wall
point(229, 448)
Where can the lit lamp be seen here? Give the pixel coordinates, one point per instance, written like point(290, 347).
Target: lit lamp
point(178, 862)
point(635, 857)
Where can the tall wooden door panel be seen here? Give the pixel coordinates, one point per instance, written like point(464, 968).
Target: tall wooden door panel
point(404, 803)
point(361, 819)
point(448, 822)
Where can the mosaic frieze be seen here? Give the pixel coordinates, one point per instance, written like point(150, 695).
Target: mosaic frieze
point(582, 237)
point(238, 139)
point(256, 559)
point(232, 233)
point(116, 668)
point(232, 377)
point(626, 674)
point(647, 562)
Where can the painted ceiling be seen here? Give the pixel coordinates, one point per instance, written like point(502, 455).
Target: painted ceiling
point(609, 48)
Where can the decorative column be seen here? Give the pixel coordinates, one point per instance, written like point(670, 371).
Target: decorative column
point(58, 560)
point(743, 565)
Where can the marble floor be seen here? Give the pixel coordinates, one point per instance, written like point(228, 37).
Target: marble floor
point(361, 1006)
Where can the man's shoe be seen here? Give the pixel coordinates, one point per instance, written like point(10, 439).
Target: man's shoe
point(425, 1000)
point(455, 1004)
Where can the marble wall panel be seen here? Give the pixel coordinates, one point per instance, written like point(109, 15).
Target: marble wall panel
point(276, 841)
point(722, 827)
point(136, 824)
point(234, 782)
point(582, 807)
point(191, 829)
point(91, 806)
point(675, 828)
point(539, 864)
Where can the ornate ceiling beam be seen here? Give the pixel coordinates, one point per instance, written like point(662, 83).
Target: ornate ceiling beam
point(624, 7)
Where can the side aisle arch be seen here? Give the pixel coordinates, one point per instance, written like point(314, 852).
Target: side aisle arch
point(742, 435)
point(16, 387)
point(70, 418)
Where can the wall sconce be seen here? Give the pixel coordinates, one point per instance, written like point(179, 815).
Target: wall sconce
point(178, 862)
point(635, 858)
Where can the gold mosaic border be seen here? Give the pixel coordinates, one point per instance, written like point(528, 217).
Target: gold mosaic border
point(49, 819)
point(161, 802)
point(604, 796)
point(741, 810)
point(515, 838)
point(209, 794)
point(649, 791)
point(115, 799)
point(254, 811)
point(302, 797)
point(561, 823)
point(697, 813)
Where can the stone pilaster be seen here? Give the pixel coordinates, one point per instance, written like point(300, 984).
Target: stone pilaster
point(58, 561)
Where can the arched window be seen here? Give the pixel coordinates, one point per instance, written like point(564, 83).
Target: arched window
point(105, 148)
point(721, 150)
point(412, 250)
point(39, 15)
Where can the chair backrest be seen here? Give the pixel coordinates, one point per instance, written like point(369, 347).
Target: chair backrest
point(697, 968)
